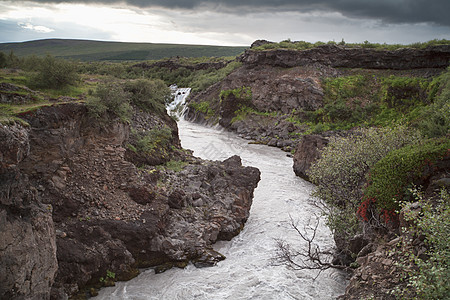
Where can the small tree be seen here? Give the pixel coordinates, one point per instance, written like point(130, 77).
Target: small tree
point(340, 174)
point(427, 274)
point(149, 95)
point(110, 99)
point(3, 60)
point(54, 73)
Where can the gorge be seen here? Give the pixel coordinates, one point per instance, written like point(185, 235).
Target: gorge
point(248, 271)
point(103, 185)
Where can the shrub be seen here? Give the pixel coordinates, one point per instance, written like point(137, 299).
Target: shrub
point(3, 60)
point(152, 139)
point(403, 92)
point(149, 95)
point(341, 171)
point(349, 100)
point(429, 276)
point(54, 73)
point(110, 99)
point(202, 107)
point(434, 120)
point(391, 176)
point(244, 93)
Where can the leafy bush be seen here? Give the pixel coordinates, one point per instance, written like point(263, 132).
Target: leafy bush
point(54, 73)
point(110, 99)
point(150, 140)
point(429, 276)
point(202, 107)
point(404, 91)
point(244, 93)
point(176, 165)
point(341, 171)
point(391, 176)
point(3, 60)
point(149, 95)
point(434, 120)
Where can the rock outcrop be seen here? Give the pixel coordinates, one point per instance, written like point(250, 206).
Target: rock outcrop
point(286, 86)
point(340, 57)
point(307, 152)
point(75, 208)
point(28, 248)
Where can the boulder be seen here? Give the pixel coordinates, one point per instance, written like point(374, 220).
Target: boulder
point(307, 152)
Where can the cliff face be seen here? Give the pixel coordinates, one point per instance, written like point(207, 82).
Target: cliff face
point(75, 206)
point(339, 57)
point(287, 88)
point(28, 247)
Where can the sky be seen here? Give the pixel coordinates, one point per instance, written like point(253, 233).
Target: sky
point(231, 22)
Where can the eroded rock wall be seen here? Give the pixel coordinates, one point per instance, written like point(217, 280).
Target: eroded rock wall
point(27, 249)
point(75, 205)
point(341, 57)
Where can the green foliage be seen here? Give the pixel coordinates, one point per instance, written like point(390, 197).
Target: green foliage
point(302, 45)
point(243, 93)
point(54, 73)
point(149, 141)
point(404, 91)
point(202, 107)
point(176, 165)
point(197, 80)
point(149, 95)
point(110, 276)
point(203, 80)
point(377, 100)
point(429, 278)
point(391, 176)
point(3, 60)
point(340, 173)
point(434, 120)
point(110, 99)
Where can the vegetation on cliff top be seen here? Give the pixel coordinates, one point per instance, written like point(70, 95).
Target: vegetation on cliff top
point(303, 45)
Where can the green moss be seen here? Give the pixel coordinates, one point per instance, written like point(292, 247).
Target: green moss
point(391, 175)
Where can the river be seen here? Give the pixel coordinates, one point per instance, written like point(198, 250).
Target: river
point(248, 271)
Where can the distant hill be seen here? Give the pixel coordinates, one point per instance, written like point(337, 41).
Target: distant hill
point(86, 50)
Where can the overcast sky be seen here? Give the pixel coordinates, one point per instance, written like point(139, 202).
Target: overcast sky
point(232, 22)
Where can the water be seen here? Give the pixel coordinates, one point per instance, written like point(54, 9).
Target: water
point(247, 272)
point(179, 98)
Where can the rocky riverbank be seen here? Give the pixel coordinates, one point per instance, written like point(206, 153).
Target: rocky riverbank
point(285, 90)
point(81, 207)
point(276, 97)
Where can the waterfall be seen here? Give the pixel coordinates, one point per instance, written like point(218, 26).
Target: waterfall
point(177, 107)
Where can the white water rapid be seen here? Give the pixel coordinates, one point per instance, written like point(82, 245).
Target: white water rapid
point(247, 272)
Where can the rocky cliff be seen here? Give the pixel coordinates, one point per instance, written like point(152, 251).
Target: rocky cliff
point(276, 95)
point(340, 57)
point(77, 212)
point(287, 89)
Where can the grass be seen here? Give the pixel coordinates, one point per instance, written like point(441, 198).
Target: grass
point(302, 45)
point(85, 50)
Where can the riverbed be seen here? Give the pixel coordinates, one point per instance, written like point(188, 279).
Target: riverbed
point(248, 271)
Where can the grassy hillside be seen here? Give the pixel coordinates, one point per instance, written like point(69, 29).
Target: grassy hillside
point(114, 51)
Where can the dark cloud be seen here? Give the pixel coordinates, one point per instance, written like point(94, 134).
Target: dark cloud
point(389, 11)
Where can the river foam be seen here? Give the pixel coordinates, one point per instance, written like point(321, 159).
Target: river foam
point(247, 272)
